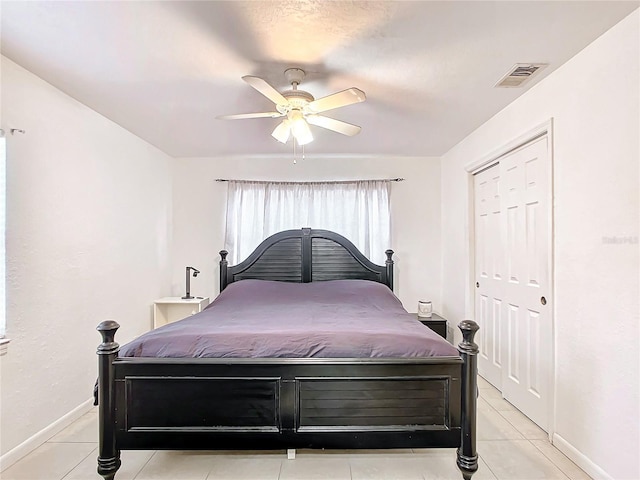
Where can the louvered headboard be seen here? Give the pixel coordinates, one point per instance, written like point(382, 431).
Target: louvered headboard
point(306, 255)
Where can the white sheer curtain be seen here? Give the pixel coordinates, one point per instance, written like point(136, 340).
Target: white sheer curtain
point(358, 210)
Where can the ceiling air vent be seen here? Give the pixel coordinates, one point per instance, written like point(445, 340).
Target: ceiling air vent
point(519, 74)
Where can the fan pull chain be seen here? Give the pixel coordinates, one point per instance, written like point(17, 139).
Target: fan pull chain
point(295, 153)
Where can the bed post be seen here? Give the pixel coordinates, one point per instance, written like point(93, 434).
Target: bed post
point(108, 455)
point(389, 264)
point(467, 455)
point(223, 269)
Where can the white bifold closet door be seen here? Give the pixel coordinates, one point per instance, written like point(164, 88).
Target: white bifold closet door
point(512, 300)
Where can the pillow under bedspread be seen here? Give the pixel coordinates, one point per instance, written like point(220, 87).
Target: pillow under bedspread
point(268, 319)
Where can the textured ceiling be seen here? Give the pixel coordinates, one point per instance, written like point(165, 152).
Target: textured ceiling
point(165, 70)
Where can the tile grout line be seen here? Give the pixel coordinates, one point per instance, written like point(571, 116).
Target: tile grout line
point(506, 420)
point(503, 439)
point(558, 466)
point(521, 433)
point(550, 460)
point(487, 464)
point(69, 442)
point(147, 463)
point(280, 471)
point(77, 464)
point(516, 427)
point(529, 440)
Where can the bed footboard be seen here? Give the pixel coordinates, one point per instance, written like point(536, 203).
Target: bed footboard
point(209, 404)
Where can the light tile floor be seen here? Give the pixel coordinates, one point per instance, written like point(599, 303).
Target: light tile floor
point(510, 446)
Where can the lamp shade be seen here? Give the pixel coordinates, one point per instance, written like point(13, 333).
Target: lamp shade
point(299, 127)
point(281, 132)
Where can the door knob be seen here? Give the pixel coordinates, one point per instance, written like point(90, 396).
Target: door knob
point(543, 300)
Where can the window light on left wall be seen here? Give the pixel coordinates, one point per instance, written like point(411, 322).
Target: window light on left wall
point(3, 184)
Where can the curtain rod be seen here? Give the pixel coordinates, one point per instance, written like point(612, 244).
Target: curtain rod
point(327, 181)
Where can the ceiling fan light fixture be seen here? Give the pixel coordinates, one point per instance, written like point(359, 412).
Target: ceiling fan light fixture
point(282, 131)
point(299, 127)
point(304, 136)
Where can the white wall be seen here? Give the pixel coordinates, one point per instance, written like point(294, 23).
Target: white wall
point(199, 212)
point(88, 234)
point(594, 102)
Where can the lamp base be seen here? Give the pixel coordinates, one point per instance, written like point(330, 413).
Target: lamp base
point(187, 297)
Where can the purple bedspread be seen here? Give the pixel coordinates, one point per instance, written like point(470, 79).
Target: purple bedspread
point(266, 319)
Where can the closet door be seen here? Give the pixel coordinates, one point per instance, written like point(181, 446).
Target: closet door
point(489, 274)
point(513, 278)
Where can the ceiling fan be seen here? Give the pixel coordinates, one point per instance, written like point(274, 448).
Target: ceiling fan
point(301, 109)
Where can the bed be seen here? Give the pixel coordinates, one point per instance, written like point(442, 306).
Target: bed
point(343, 366)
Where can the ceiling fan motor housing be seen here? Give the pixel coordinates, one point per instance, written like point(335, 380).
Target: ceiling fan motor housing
point(297, 99)
point(298, 96)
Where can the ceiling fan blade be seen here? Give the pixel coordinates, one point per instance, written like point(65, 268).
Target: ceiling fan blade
point(333, 124)
point(340, 99)
point(265, 89)
point(241, 116)
point(282, 131)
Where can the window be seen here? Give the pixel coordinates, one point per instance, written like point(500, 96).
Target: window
point(3, 159)
point(358, 210)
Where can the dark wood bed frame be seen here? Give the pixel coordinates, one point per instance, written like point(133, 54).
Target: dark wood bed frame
point(289, 403)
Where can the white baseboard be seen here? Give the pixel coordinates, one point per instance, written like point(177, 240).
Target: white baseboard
point(33, 442)
point(577, 457)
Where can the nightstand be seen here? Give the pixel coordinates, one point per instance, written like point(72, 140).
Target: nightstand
point(170, 309)
point(435, 323)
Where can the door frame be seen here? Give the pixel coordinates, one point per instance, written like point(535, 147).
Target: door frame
point(487, 161)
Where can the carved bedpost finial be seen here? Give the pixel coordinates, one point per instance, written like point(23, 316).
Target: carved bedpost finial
point(108, 330)
point(223, 269)
point(468, 329)
point(389, 265)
